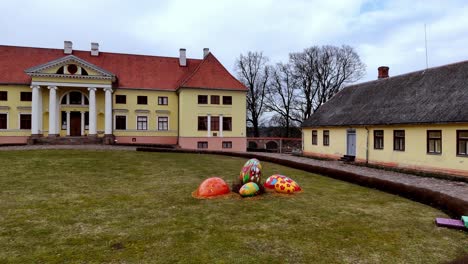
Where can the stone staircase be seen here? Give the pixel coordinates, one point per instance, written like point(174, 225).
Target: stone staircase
point(347, 158)
point(65, 141)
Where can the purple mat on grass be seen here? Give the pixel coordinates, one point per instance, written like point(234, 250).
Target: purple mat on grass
point(451, 223)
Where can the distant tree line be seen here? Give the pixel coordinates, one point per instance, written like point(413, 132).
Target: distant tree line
point(294, 90)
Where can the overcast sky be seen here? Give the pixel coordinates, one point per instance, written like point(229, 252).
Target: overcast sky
point(383, 32)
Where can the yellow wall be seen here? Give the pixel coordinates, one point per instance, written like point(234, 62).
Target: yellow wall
point(190, 110)
point(152, 115)
point(414, 156)
point(14, 104)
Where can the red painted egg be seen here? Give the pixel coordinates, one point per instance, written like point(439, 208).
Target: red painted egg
point(212, 187)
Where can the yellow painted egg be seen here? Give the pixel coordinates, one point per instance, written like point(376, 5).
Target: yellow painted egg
point(283, 186)
point(249, 189)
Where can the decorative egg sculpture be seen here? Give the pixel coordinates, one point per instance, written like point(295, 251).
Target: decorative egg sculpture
point(249, 189)
point(271, 181)
point(251, 172)
point(212, 187)
point(282, 186)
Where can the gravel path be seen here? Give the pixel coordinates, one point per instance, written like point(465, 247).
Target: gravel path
point(452, 188)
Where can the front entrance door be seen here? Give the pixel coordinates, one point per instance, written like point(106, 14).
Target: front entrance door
point(75, 124)
point(351, 143)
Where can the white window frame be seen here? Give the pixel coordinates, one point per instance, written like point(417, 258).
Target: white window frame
point(19, 121)
point(7, 120)
point(157, 123)
point(126, 122)
point(163, 97)
point(147, 123)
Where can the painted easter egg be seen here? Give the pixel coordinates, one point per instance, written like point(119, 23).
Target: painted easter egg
point(251, 172)
point(212, 187)
point(249, 189)
point(271, 181)
point(282, 186)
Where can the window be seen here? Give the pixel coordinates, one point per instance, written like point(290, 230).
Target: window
point(399, 140)
point(142, 122)
point(378, 139)
point(215, 123)
point(202, 144)
point(227, 100)
point(75, 98)
point(215, 99)
point(163, 123)
point(202, 123)
point(314, 137)
point(86, 120)
point(434, 141)
point(64, 120)
point(3, 121)
point(326, 137)
point(120, 99)
point(142, 100)
point(26, 96)
point(227, 144)
point(462, 142)
point(3, 96)
point(202, 99)
point(25, 121)
point(227, 123)
point(162, 100)
point(120, 122)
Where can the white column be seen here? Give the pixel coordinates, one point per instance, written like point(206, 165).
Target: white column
point(82, 123)
point(52, 110)
point(209, 126)
point(108, 112)
point(92, 111)
point(35, 110)
point(39, 113)
point(220, 125)
point(68, 123)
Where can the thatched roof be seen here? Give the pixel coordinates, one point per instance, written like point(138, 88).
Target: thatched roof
point(435, 95)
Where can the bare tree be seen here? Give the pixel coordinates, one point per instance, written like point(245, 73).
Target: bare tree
point(253, 72)
point(323, 71)
point(281, 96)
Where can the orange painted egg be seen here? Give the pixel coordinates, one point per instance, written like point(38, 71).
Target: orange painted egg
point(251, 172)
point(212, 187)
point(249, 189)
point(282, 186)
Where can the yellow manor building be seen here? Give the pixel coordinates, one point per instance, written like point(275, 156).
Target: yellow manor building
point(55, 96)
point(416, 121)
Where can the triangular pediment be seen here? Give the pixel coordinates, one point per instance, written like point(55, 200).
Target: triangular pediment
point(70, 67)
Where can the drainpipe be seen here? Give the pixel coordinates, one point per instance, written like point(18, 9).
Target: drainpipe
point(367, 145)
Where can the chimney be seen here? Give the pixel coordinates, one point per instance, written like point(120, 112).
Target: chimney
point(94, 49)
point(182, 57)
point(383, 72)
point(67, 47)
point(206, 51)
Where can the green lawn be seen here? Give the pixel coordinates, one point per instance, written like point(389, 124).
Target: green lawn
point(61, 206)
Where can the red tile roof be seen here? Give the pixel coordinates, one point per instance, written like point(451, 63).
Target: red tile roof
point(206, 75)
point(132, 71)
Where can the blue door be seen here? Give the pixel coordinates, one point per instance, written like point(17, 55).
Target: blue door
point(351, 143)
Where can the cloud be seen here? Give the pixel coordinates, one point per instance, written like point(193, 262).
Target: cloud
point(383, 32)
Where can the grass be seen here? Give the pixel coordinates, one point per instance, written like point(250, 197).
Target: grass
point(70, 206)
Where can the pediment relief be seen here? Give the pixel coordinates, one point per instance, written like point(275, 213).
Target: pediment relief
point(70, 67)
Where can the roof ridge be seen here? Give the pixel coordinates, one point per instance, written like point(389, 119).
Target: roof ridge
point(186, 80)
point(193, 73)
point(409, 73)
point(105, 52)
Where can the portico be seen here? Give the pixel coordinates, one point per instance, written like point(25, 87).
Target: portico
point(75, 95)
